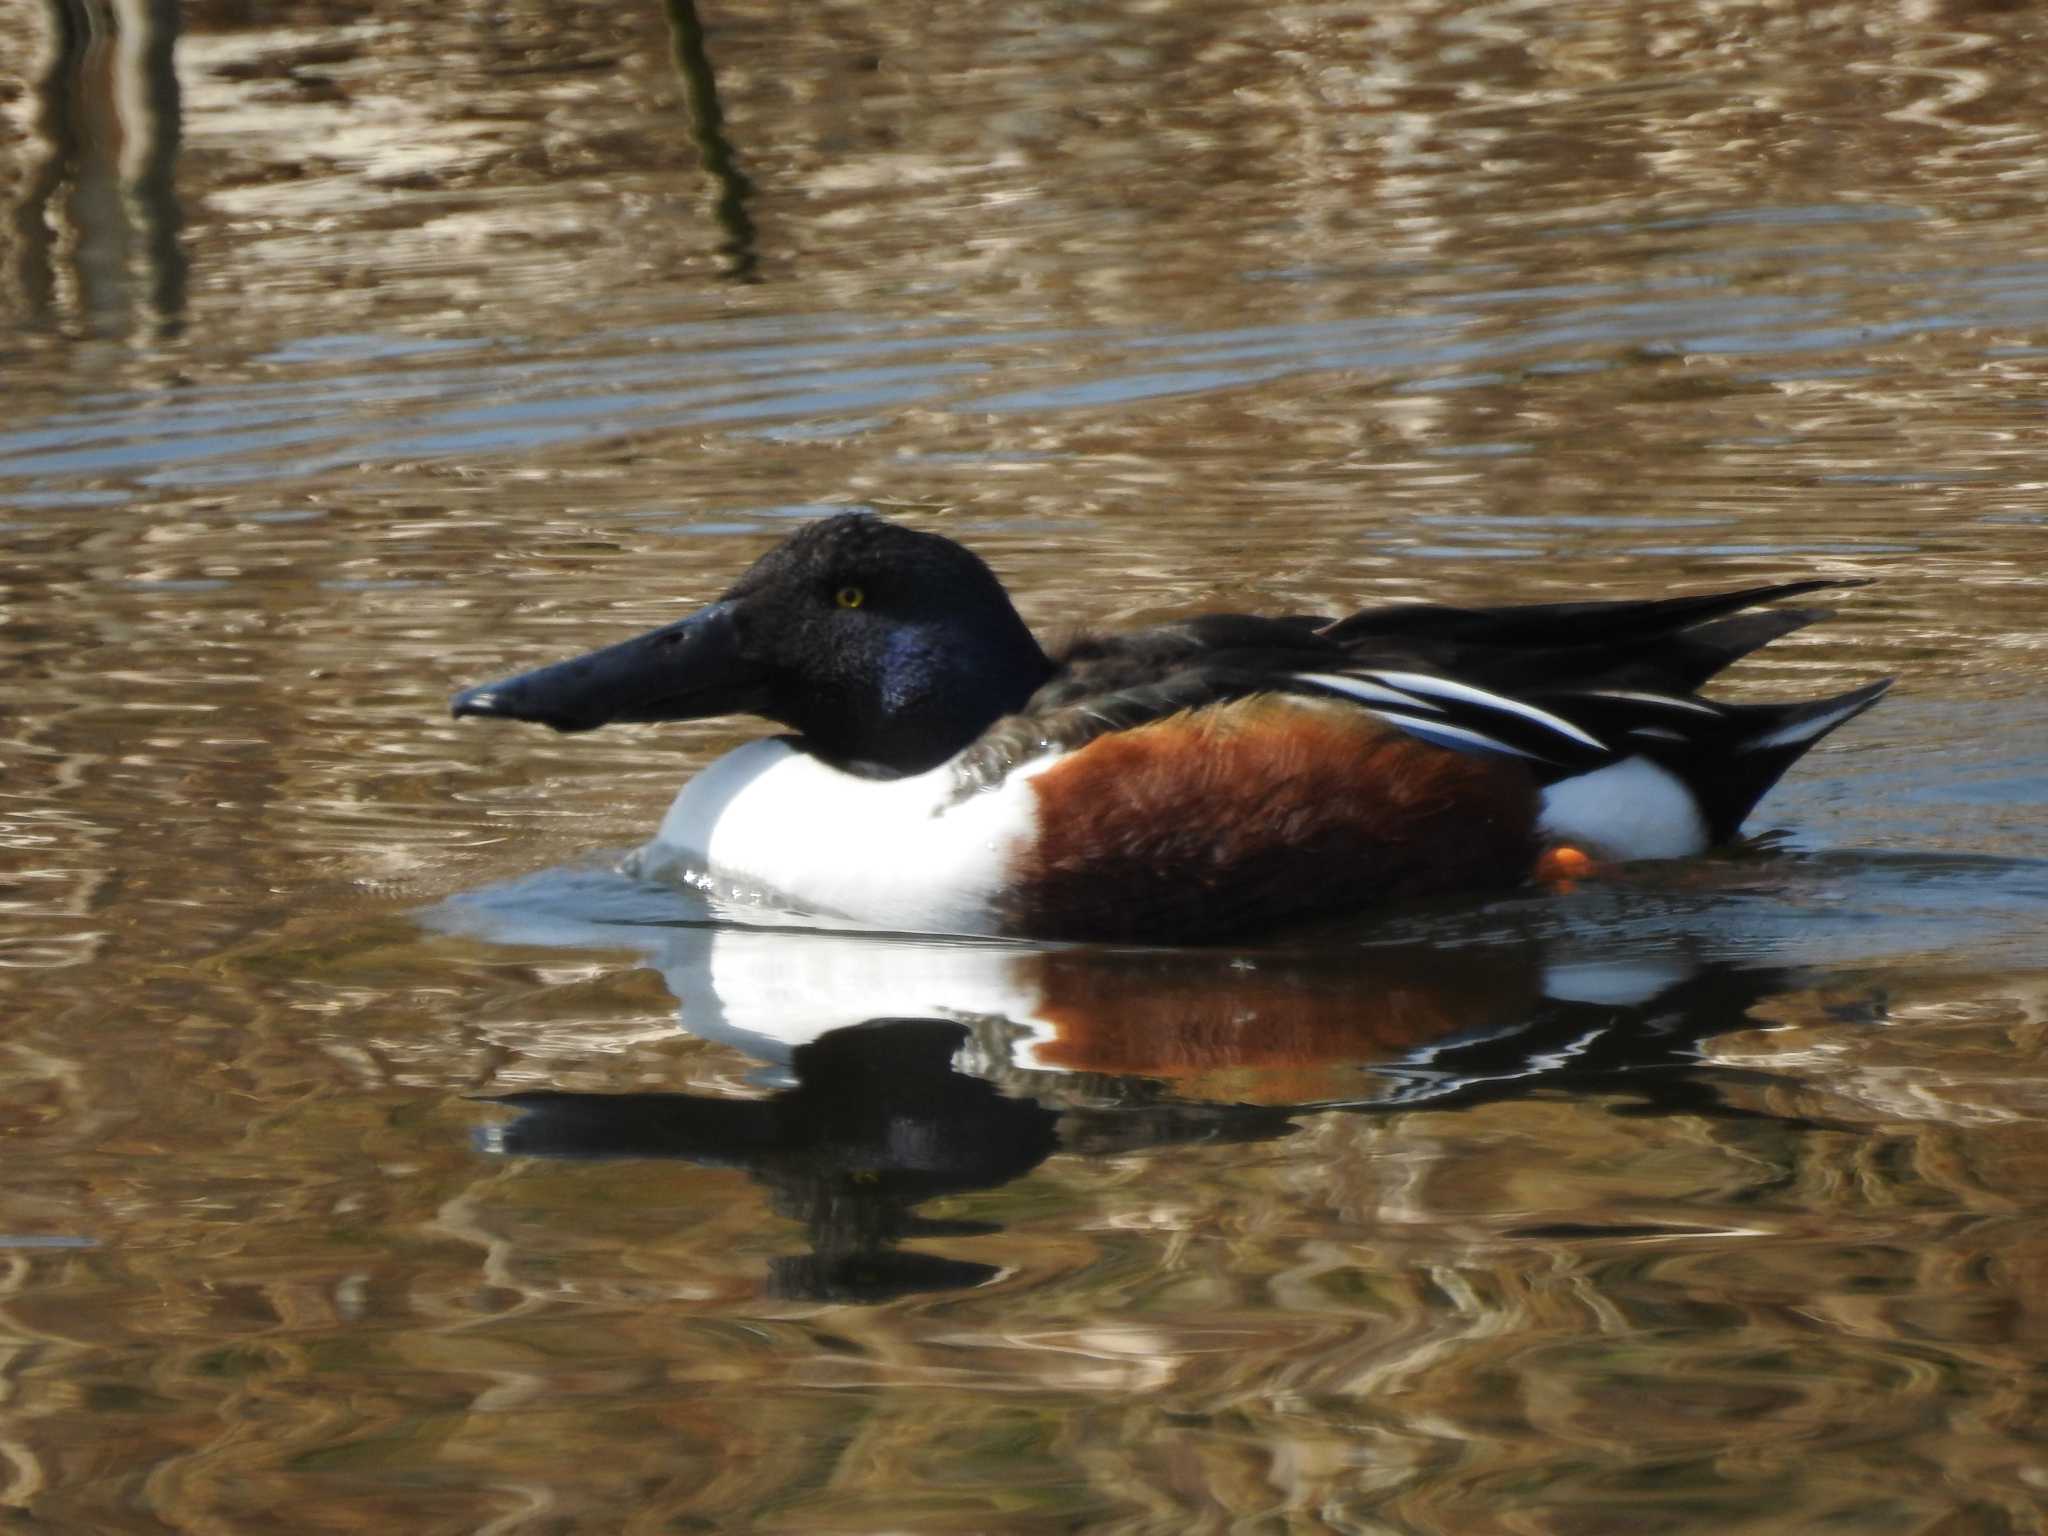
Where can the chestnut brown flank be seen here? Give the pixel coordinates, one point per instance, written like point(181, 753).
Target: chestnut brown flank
point(1258, 813)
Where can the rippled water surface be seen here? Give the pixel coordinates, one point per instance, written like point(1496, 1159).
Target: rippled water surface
point(380, 1159)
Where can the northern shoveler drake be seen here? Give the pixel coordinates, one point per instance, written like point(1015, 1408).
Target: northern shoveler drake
point(1223, 775)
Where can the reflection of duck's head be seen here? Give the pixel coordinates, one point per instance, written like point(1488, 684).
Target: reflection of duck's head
point(879, 1103)
point(875, 1122)
point(1224, 774)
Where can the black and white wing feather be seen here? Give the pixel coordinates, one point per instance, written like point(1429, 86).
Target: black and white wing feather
point(1727, 755)
point(1466, 718)
point(1565, 689)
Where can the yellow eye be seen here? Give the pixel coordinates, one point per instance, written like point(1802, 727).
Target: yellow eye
point(849, 597)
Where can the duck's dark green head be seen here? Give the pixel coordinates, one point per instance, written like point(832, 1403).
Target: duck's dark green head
point(885, 649)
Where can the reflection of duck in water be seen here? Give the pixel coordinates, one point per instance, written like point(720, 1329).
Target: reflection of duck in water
point(877, 1123)
point(1013, 1054)
point(1225, 774)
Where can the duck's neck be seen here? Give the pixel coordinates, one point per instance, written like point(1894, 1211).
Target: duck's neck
point(932, 697)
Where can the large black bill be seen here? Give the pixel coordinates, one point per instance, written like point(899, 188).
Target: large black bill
point(688, 670)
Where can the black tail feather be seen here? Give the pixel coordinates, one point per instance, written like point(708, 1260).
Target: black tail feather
point(1763, 740)
point(1669, 645)
point(1564, 625)
point(1696, 655)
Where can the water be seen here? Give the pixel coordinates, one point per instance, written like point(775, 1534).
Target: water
point(382, 1159)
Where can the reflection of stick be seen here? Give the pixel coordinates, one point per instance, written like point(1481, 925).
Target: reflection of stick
point(146, 80)
point(707, 132)
point(108, 203)
point(56, 126)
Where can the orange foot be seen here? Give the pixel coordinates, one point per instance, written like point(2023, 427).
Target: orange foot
point(1563, 867)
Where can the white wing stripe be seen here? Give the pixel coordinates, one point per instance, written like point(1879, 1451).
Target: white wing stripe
point(1365, 692)
point(1443, 687)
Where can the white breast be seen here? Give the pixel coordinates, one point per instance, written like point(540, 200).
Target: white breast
point(776, 826)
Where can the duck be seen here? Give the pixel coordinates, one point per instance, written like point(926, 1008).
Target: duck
point(1224, 776)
